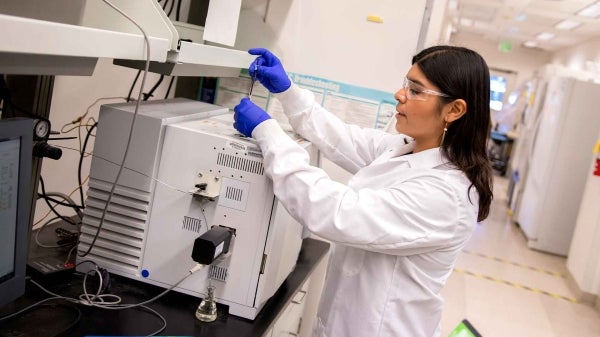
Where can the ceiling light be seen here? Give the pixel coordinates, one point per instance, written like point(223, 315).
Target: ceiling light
point(521, 17)
point(530, 44)
point(545, 36)
point(591, 11)
point(567, 24)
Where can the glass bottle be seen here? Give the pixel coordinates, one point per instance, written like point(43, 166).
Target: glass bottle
point(207, 310)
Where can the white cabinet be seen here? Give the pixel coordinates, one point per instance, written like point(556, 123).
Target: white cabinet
point(298, 317)
point(290, 321)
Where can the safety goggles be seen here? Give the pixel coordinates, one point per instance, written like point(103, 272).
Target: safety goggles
point(416, 92)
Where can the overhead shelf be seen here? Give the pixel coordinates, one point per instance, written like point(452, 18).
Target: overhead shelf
point(194, 59)
point(34, 43)
point(30, 46)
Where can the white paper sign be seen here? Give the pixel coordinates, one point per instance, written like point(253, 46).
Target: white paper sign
point(222, 21)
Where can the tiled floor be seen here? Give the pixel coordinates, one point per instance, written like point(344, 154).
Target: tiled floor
point(506, 289)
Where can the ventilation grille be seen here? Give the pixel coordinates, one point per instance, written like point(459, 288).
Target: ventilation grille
point(120, 241)
point(242, 164)
point(233, 193)
point(217, 273)
point(192, 224)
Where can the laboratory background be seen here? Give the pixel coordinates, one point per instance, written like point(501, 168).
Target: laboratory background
point(75, 70)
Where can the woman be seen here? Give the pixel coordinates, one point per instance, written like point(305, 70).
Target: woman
point(414, 198)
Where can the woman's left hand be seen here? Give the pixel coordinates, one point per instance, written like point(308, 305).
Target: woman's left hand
point(247, 116)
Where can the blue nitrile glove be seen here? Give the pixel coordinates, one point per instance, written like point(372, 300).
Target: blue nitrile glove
point(247, 116)
point(268, 70)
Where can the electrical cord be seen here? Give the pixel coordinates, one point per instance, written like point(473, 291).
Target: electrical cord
point(2, 89)
point(129, 169)
point(81, 156)
point(9, 316)
point(58, 202)
point(43, 303)
point(89, 128)
point(52, 207)
point(73, 323)
point(87, 300)
point(133, 85)
point(169, 88)
point(149, 94)
point(50, 211)
point(69, 254)
point(177, 12)
point(79, 119)
point(37, 233)
point(143, 174)
point(62, 138)
point(104, 301)
point(171, 8)
point(135, 113)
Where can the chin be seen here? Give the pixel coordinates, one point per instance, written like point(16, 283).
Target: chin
point(399, 128)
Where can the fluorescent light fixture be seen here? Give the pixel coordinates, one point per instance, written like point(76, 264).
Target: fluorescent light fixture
point(545, 36)
point(530, 44)
point(591, 11)
point(521, 17)
point(567, 24)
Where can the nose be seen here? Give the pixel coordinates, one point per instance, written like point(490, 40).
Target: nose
point(400, 95)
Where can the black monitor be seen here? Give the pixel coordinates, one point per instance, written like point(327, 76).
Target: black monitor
point(16, 142)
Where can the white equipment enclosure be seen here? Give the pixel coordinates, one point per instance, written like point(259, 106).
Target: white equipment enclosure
point(187, 170)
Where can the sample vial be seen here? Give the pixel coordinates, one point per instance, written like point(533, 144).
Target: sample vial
point(207, 310)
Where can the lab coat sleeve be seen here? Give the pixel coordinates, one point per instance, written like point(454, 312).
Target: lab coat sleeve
point(349, 146)
point(416, 216)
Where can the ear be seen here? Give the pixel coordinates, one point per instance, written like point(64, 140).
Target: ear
point(455, 110)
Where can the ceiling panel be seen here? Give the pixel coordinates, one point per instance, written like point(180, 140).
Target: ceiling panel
point(522, 20)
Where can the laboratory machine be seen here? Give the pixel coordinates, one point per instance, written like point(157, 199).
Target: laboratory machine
point(187, 172)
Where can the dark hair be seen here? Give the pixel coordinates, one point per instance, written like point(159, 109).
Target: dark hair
point(462, 73)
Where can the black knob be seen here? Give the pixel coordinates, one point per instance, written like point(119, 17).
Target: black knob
point(43, 149)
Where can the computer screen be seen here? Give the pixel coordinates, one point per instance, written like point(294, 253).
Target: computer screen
point(16, 138)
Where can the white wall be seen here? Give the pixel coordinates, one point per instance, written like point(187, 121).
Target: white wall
point(584, 57)
point(333, 39)
point(521, 60)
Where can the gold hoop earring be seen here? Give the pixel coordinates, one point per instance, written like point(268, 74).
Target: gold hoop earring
point(444, 134)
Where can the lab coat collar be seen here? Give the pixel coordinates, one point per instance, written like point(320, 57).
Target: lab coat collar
point(425, 159)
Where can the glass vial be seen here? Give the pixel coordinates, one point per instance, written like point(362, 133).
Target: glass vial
point(207, 310)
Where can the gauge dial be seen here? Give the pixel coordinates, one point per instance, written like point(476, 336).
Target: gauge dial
point(42, 129)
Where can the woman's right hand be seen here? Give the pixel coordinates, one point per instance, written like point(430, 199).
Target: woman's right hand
point(269, 71)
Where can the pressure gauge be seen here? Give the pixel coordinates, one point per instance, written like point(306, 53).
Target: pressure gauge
point(41, 129)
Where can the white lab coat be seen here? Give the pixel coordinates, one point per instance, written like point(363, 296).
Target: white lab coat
point(396, 228)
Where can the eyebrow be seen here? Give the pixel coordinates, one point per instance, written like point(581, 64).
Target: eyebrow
point(416, 81)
